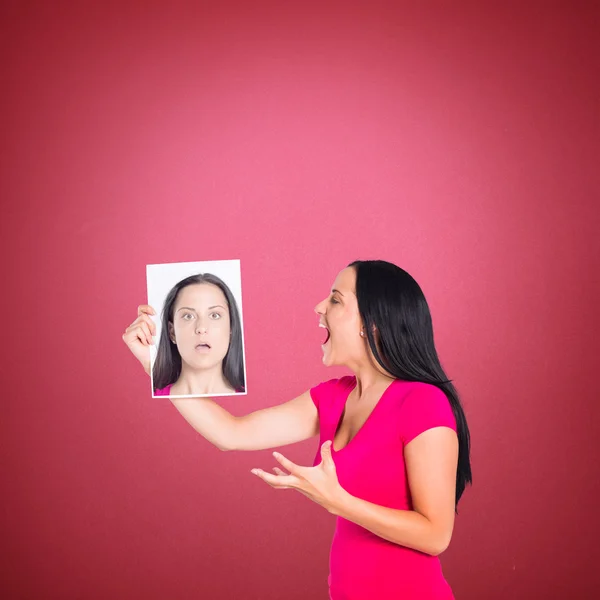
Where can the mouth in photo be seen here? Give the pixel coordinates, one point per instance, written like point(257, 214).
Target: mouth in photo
point(203, 347)
point(327, 338)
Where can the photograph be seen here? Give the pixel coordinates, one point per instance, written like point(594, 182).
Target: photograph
point(198, 349)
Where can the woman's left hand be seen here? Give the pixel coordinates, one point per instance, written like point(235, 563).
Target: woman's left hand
point(319, 483)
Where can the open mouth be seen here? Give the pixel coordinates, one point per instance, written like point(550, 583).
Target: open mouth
point(327, 338)
point(203, 346)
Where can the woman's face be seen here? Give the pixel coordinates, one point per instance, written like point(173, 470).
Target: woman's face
point(339, 313)
point(201, 326)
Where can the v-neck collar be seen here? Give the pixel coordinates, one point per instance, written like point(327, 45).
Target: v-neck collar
point(369, 418)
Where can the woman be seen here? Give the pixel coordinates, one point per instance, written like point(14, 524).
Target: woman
point(200, 347)
point(394, 442)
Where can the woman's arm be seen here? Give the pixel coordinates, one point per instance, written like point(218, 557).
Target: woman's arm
point(431, 462)
point(287, 423)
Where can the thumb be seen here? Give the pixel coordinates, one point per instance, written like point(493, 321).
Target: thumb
point(326, 453)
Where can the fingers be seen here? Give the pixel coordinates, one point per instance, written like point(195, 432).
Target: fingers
point(134, 334)
point(279, 473)
point(144, 334)
point(140, 331)
point(288, 464)
point(276, 481)
point(150, 322)
point(149, 325)
point(145, 309)
point(143, 328)
point(326, 458)
point(144, 318)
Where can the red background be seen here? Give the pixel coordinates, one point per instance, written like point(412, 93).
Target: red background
point(460, 142)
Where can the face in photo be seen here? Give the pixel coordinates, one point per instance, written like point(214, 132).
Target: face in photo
point(200, 326)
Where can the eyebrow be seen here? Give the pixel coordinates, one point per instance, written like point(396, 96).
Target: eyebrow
point(338, 291)
point(188, 308)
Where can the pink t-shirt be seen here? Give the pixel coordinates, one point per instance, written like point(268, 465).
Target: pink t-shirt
point(362, 564)
point(166, 391)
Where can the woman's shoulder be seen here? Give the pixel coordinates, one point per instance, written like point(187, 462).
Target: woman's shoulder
point(327, 390)
point(335, 382)
point(423, 406)
point(421, 388)
point(418, 395)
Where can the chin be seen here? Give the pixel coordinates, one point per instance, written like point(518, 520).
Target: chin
point(328, 362)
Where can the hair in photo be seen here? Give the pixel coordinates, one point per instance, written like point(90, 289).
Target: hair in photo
point(389, 298)
point(167, 366)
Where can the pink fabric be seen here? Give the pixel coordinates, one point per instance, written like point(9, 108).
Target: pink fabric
point(363, 565)
point(166, 391)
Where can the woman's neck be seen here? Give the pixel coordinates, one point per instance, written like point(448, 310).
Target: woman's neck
point(205, 381)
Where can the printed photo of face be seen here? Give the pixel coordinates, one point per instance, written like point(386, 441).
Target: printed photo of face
point(201, 327)
point(200, 341)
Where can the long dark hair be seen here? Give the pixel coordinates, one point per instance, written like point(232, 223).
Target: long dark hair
point(167, 366)
point(389, 298)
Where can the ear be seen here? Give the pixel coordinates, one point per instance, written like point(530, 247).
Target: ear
point(373, 330)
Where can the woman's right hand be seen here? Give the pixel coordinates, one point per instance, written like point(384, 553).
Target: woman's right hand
point(138, 336)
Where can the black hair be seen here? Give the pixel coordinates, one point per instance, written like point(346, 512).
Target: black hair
point(167, 367)
point(392, 301)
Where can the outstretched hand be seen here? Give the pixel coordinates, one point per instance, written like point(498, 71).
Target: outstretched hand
point(319, 483)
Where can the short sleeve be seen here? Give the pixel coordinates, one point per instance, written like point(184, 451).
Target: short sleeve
point(425, 407)
point(321, 391)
